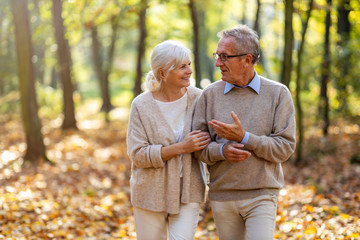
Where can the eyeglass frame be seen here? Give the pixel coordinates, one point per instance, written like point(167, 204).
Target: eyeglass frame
point(217, 56)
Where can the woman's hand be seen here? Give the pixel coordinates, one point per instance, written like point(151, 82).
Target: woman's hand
point(195, 141)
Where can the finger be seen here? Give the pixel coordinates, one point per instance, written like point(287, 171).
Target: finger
point(202, 134)
point(237, 145)
point(219, 124)
point(218, 130)
point(203, 138)
point(235, 117)
point(240, 152)
point(237, 158)
point(204, 142)
point(194, 132)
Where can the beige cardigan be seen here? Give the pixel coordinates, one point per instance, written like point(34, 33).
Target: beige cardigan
point(155, 185)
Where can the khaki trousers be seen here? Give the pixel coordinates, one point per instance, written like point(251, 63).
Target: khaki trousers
point(251, 219)
point(151, 225)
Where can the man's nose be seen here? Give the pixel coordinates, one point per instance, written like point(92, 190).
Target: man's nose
point(218, 62)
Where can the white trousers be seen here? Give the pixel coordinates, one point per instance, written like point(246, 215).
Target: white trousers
point(151, 225)
point(251, 219)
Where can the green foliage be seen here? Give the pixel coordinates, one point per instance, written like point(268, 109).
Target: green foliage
point(171, 19)
point(10, 103)
point(50, 102)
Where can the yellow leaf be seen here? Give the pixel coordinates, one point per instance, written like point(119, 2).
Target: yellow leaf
point(344, 216)
point(310, 230)
point(354, 235)
point(309, 208)
point(279, 236)
point(14, 207)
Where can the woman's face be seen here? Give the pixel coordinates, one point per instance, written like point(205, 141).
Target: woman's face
point(180, 76)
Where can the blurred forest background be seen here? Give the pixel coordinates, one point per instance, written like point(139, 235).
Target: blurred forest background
point(69, 70)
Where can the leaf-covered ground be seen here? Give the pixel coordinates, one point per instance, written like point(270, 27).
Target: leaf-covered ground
point(85, 195)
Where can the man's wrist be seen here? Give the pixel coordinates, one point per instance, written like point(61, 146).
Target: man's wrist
point(245, 139)
point(221, 150)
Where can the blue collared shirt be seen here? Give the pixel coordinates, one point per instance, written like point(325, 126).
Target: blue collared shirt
point(255, 85)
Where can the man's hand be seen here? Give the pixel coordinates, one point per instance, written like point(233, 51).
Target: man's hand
point(232, 132)
point(234, 153)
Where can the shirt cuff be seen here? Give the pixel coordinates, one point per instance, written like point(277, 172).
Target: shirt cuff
point(221, 150)
point(245, 139)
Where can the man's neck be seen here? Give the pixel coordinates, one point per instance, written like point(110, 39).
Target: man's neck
point(248, 76)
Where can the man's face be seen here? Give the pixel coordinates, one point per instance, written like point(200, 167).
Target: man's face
point(232, 70)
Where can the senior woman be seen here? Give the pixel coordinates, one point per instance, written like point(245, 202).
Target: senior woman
point(167, 184)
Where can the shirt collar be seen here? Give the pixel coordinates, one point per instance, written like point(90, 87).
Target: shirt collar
point(254, 84)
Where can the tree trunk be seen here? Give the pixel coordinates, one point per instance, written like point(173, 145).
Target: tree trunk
point(39, 49)
point(289, 38)
point(54, 78)
point(344, 28)
point(98, 64)
point(141, 47)
point(110, 60)
point(194, 18)
point(64, 56)
point(257, 16)
point(258, 30)
point(244, 18)
point(35, 152)
point(299, 110)
point(1, 53)
point(324, 100)
point(206, 62)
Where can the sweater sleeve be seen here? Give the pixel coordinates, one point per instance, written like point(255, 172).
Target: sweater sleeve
point(211, 154)
point(141, 152)
point(280, 144)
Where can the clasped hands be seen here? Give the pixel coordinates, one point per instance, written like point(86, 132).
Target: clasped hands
point(233, 152)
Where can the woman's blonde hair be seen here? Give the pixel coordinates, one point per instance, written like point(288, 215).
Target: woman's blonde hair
point(166, 56)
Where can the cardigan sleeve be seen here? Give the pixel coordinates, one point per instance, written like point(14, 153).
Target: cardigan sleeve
point(141, 152)
point(211, 154)
point(280, 144)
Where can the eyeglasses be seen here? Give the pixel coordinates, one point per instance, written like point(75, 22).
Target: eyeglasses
point(223, 57)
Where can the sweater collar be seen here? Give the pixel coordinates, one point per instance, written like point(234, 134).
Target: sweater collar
point(254, 84)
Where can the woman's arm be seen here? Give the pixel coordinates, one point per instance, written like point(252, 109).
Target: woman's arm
point(193, 141)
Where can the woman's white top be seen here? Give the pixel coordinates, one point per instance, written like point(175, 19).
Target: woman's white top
point(174, 112)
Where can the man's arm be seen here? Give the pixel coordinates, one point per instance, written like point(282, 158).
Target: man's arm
point(215, 152)
point(281, 143)
point(211, 154)
point(278, 146)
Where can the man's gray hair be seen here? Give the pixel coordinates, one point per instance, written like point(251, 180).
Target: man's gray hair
point(247, 40)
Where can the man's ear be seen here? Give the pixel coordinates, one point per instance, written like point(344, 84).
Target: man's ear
point(248, 58)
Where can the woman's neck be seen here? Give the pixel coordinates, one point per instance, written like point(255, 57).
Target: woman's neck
point(169, 94)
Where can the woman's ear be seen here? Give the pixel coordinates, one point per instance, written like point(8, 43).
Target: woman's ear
point(162, 74)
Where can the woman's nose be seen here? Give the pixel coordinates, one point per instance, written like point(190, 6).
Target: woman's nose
point(189, 70)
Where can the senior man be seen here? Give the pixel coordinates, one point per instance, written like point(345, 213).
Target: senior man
point(251, 121)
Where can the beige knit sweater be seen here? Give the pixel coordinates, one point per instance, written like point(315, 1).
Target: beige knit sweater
point(269, 117)
point(155, 185)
